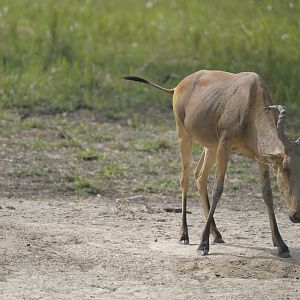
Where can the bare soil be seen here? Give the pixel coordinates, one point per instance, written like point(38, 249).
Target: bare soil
point(60, 241)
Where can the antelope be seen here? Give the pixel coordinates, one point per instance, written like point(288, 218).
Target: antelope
point(225, 111)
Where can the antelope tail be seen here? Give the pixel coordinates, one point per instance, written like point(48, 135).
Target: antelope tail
point(134, 78)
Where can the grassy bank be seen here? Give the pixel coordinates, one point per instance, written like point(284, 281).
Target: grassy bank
point(62, 156)
point(66, 55)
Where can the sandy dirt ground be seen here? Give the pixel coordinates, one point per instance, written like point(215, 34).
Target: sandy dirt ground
point(100, 248)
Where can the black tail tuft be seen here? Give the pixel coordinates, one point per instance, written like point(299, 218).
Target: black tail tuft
point(134, 78)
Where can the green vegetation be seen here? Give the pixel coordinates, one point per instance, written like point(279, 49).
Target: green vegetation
point(66, 55)
point(42, 155)
point(165, 184)
point(78, 184)
point(113, 170)
point(89, 154)
point(150, 145)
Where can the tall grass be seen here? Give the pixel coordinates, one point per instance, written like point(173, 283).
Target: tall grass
point(65, 55)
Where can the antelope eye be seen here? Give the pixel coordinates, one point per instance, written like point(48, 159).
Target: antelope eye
point(285, 167)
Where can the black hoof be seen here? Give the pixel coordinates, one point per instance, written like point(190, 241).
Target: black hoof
point(184, 238)
point(284, 251)
point(203, 249)
point(202, 252)
point(184, 242)
point(218, 240)
point(284, 254)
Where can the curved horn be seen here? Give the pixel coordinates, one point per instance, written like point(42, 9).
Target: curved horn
point(280, 123)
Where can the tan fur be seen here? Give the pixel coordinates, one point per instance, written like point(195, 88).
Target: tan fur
point(225, 111)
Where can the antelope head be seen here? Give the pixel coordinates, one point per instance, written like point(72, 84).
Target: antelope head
point(287, 166)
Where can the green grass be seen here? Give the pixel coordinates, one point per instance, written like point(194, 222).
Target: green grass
point(89, 155)
point(150, 145)
point(78, 185)
point(101, 137)
point(66, 55)
point(32, 123)
point(112, 171)
point(42, 155)
point(166, 184)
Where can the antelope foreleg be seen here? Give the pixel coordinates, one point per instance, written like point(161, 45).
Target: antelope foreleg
point(221, 166)
point(268, 198)
point(203, 168)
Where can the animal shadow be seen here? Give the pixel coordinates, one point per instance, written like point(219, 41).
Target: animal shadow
point(265, 253)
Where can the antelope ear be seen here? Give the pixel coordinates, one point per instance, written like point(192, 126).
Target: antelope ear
point(270, 159)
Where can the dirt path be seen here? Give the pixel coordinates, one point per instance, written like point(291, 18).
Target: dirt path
point(127, 249)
